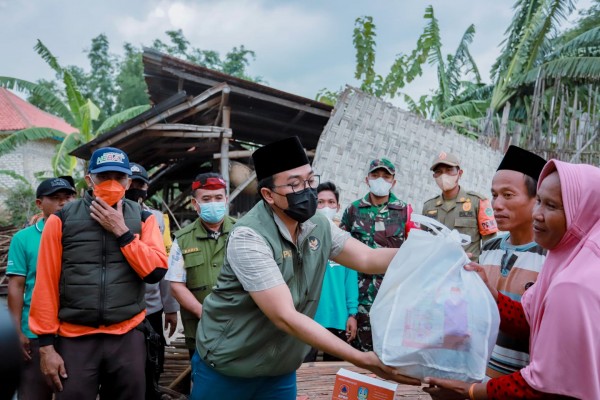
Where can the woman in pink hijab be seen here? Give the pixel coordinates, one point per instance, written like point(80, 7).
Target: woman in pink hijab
point(561, 311)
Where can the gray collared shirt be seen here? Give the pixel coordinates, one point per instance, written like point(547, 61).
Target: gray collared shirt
point(252, 259)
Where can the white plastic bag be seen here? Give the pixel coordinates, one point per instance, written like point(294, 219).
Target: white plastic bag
point(430, 316)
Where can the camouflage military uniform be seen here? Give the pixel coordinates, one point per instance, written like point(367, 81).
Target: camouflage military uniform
point(469, 213)
point(375, 226)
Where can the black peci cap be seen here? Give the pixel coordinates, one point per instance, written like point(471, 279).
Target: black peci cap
point(279, 156)
point(521, 160)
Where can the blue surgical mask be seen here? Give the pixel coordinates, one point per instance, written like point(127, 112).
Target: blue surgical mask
point(212, 212)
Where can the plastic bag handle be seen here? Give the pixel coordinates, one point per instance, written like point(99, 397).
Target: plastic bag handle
point(439, 229)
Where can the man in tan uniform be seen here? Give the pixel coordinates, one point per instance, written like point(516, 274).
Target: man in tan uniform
point(466, 211)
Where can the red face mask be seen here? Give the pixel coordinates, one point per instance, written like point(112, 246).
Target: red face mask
point(110, 191)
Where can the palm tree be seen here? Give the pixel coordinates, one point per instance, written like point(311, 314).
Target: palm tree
point(76, 110)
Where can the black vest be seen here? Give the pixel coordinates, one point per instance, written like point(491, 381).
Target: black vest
point(97, 284)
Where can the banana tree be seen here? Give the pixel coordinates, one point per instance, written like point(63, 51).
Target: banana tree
point(529, 40)
point(451, 70)
point(75, 109)
point(576, 60)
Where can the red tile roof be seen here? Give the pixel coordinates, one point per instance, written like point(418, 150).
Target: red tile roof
point(17, 114)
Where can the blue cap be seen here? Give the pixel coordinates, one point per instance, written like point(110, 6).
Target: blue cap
point(109, 159)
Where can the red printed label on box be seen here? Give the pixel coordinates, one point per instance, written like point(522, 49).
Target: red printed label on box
point(354, 386)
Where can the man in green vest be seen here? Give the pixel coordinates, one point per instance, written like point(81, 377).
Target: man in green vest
point(257, 324)
point(197, 253)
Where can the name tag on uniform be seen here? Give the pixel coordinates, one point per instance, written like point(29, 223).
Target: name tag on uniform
point(190, 250)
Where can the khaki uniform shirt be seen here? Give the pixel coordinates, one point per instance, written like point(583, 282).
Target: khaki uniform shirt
point(469, 213)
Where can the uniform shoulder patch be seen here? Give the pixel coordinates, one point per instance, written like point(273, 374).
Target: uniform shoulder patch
point(432, 199)
point(478, 195)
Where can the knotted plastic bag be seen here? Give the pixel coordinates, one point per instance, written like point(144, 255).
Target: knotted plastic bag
point(430, 316)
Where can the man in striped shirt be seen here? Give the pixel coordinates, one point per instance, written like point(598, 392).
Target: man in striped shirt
point(512, 261)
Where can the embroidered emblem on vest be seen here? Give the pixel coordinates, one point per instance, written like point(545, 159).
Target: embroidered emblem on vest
point(314, 243)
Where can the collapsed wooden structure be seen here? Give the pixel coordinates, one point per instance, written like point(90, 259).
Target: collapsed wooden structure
point(203, 120)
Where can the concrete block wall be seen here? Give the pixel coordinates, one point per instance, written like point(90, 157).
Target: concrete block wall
point(26, 160)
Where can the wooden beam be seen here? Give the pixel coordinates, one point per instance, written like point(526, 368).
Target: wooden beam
point(242, 186)
point(248, 153)
point(186, 127)
point(224, 103)
point(195, 135)
point(250, 93)
point(208, 105)
point(282, 126)
point(294, 120)
point(183, 143)
point(196, 154)
point(161, 117)
point(180, 199)
point(225, 147)
point(235, 154)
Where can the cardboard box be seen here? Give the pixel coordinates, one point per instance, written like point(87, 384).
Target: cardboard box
point(354, 386)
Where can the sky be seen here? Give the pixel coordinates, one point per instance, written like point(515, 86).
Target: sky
point(301, 46)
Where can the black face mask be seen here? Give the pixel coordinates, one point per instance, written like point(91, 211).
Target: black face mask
point(136, 195)
point(301, 205)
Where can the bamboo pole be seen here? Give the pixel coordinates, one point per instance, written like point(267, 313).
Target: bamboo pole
point(180, 377)
point(504, 127)
point(225, 148)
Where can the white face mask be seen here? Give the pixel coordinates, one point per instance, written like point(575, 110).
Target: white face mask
point(328, 212)
point(447, 182)
point(380, 187)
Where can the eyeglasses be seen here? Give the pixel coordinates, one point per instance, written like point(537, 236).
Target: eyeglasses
point(299, 185)
point(445, 170)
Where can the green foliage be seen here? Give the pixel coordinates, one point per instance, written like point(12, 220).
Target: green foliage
point(118, 119)
point(588, 20)
point(101, 78)
point(451, 69)
point(116, 83)
point(530, 35)
point(15, 139)
point(234, 63)
point(19, 203)
point(51, 100)
point(533, 48)
point(131, 87)
point(14, 175)
point(328, 96)
point(37, 99)
point(364, 43)
point(71, 105)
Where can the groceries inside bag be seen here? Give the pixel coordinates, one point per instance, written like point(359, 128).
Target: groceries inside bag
point(431, 317)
